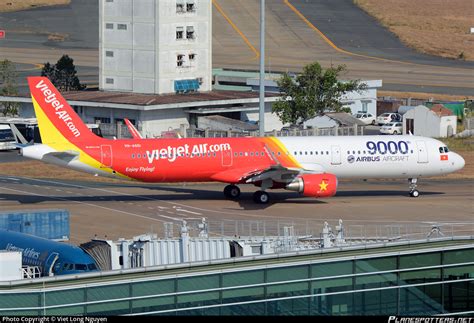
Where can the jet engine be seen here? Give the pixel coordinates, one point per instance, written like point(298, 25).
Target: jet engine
point(314, 185)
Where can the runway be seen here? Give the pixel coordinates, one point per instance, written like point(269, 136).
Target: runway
point(123, 210)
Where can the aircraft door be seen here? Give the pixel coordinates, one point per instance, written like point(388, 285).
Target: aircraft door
point(422, 152)
point(335, 155)
point(227, 158)
point(49, 264)
point(106, 155)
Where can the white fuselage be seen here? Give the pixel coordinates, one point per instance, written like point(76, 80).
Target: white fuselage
point(374, 156)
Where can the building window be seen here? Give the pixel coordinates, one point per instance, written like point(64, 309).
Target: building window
point(109, 26)
point(190, 32)
point(179, 60)
point(179, 32)
point(365, 105)
point(110, 1)
point(180, 6)
point(122, 27)
point(190, 6)
point(109, 53)
point(109, 80)
point(101, 120)
point(192, 57)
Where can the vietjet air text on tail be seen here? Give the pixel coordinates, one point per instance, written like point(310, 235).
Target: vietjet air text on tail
point(308, 165)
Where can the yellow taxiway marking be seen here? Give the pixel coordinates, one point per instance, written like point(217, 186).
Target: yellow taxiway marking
point(334, 46)
point(219, 8)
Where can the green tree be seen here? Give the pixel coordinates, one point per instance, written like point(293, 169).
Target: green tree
point(49, 72)
point(63, 74)
point(9, 87)
point(312, 93)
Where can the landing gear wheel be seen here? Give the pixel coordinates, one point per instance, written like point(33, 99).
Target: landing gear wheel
point(232, 191)
point(413, 191)
point(261, 197)
point(373, 122)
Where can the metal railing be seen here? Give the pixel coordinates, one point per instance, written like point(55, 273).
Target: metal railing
point(329, 131)
point(311, 230)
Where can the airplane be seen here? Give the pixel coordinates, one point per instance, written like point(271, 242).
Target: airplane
point(311, 166)
point(52, 257)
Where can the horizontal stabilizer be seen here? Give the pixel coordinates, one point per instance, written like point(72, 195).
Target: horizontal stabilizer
point(64, 156)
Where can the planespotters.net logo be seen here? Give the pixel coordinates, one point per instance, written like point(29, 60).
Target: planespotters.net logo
point(442, 319)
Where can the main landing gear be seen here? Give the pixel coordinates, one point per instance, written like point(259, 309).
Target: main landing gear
point(413, 191)
point(233, 192)
point(261, 197)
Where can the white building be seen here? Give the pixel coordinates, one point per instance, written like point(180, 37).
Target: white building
point(421, 121)
point(155, 46)
point(10, 265)
point(365, 101)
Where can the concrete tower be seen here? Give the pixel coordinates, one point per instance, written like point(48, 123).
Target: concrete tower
point(155, 46)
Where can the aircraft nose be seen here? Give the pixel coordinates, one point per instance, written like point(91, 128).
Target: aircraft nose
point(459, 162)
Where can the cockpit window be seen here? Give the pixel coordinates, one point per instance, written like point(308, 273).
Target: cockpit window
point(67, 267)
point(446, 150)
point(441, 150)
point(92, 267)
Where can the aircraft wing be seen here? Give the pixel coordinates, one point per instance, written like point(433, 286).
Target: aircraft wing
point(133, 131)
point(276, 173)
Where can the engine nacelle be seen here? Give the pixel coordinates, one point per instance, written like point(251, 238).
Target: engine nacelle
point(314, 185)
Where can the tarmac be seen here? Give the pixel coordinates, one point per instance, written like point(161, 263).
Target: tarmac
point(123, 210)
point(298, 32)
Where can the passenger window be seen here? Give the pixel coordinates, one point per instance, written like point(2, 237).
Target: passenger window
point(133, 156)
point(139, 156)
point(327, 152)
point(81, 267)
point(315, 152)
point(306, 153)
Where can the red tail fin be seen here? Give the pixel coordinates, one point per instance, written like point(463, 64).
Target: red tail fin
point(133, 131)
point(56, 119)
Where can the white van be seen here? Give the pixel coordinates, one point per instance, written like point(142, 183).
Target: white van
point(7, 138)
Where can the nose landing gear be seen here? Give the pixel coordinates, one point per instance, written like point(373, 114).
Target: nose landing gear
point(413, 191)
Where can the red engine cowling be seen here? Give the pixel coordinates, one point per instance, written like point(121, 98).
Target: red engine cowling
point(315, 185)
